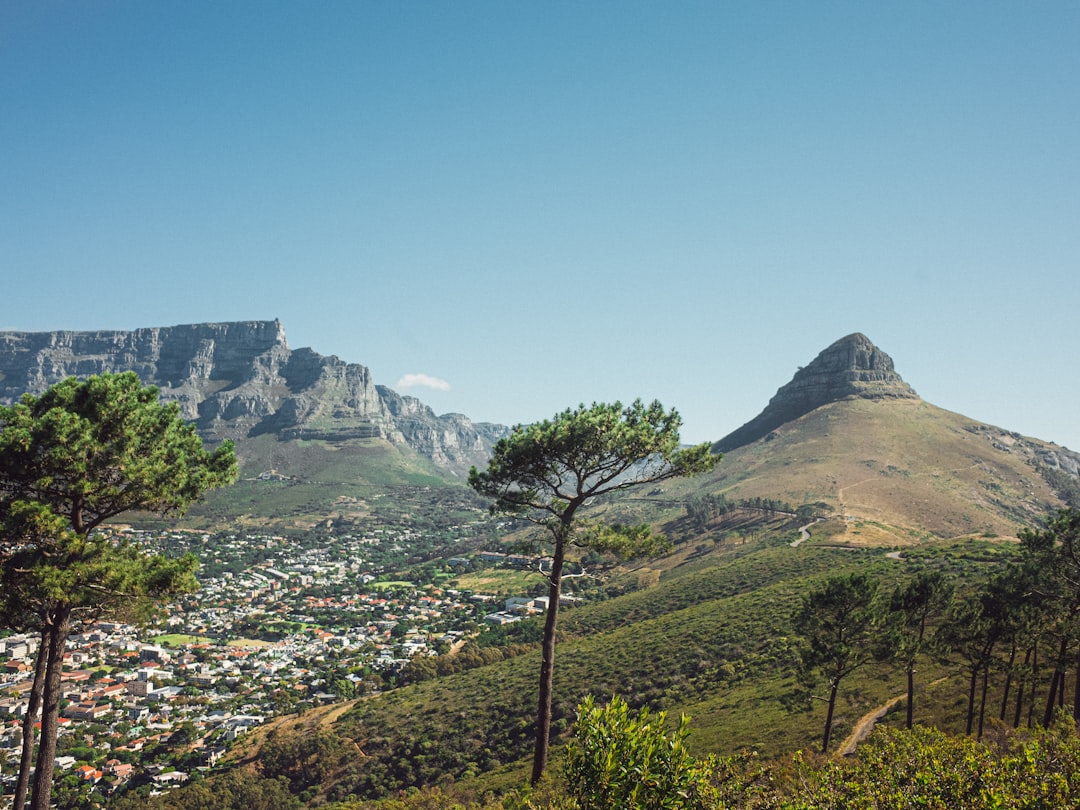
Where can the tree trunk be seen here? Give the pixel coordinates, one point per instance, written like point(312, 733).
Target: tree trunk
point(910, 695)
point(1034, 683)
point(22, 786)
point(1056, 685)
point(1051, 699)
point(1076, 690)
point(829, 715)
point(982, 697)
point(57, 633)
point(1020, 689)
point(547, 665)
point(1008, 683)
point(971, 700)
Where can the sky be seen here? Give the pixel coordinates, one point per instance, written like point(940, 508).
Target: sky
point(506, 209)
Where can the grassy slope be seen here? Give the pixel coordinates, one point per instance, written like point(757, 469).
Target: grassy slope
point(904, 471)
point(313, 481)
point(727, 660)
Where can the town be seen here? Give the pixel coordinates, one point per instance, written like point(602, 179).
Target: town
point(280, 624)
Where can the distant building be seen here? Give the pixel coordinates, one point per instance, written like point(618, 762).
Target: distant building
point(501, 618)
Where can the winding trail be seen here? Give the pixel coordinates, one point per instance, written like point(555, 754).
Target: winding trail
point(804, 534)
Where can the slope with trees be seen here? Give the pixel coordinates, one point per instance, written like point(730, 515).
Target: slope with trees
point(839, 620)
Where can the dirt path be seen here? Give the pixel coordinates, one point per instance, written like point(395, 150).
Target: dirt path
point(866, 725)
point(804, 534)
point(869, 720)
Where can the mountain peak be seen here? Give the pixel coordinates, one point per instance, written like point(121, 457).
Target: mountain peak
point(852, 367)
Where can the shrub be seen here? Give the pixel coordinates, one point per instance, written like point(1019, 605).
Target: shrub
point(622, 761)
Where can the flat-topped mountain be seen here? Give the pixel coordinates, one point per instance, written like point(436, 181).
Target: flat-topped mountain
point(241, 380)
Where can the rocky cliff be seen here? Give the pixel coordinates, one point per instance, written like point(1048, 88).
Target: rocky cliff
point(238, 380)
point(852, 367)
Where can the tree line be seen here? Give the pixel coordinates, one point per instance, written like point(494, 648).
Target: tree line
point(703, 508)
point(1017, 632)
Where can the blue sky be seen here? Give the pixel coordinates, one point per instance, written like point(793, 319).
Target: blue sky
point(506, 209)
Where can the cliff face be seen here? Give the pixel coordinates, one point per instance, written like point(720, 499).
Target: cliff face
point(235, 380)
point(852, 367)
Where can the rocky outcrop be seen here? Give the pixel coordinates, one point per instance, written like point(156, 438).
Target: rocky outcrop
point(241, 379)
point(852, 367)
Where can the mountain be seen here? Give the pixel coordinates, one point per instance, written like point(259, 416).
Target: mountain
point(851, 368)
point(314, 432)
point(847, 432)
point(241, 380)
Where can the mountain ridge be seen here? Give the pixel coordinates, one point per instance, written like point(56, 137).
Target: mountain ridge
point(240, 379)
point(846, 431)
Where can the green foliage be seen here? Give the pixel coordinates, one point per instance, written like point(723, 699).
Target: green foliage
point(701, 508)
point(98, 448)
point(904, 636)
point(304, 760)
point(623, 761)
point(839, 620)
point(92, 576)
point(238, 789)
point(585, 452)
point(626, 542)
point(927, 768)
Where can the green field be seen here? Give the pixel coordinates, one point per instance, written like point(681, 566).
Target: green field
point(500, 581)
point(180, 639)
point(396, 583)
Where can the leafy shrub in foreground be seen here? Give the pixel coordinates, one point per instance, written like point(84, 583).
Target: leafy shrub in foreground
point(620, 761)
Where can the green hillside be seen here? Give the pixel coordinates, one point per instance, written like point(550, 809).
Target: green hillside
point(295, 485)
point(713, 641)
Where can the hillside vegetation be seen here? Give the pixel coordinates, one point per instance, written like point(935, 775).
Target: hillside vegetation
point(901, 471)
point(730, 660)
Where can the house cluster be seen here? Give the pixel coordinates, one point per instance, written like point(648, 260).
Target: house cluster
point(120, 697)
point(276, 625)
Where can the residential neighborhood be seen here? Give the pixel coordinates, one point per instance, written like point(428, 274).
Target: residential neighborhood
point(278, 625)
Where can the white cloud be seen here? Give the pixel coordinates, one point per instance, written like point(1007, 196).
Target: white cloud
point(424, 381)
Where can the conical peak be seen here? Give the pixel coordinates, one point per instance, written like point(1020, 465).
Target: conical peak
point(852, 367)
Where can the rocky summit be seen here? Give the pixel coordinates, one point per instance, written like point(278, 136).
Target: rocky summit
point(852, 367)
point(239, 380)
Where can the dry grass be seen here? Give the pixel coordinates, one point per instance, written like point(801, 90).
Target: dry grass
point(901, 472)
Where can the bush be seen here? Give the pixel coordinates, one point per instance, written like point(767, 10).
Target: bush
point(620, 761)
